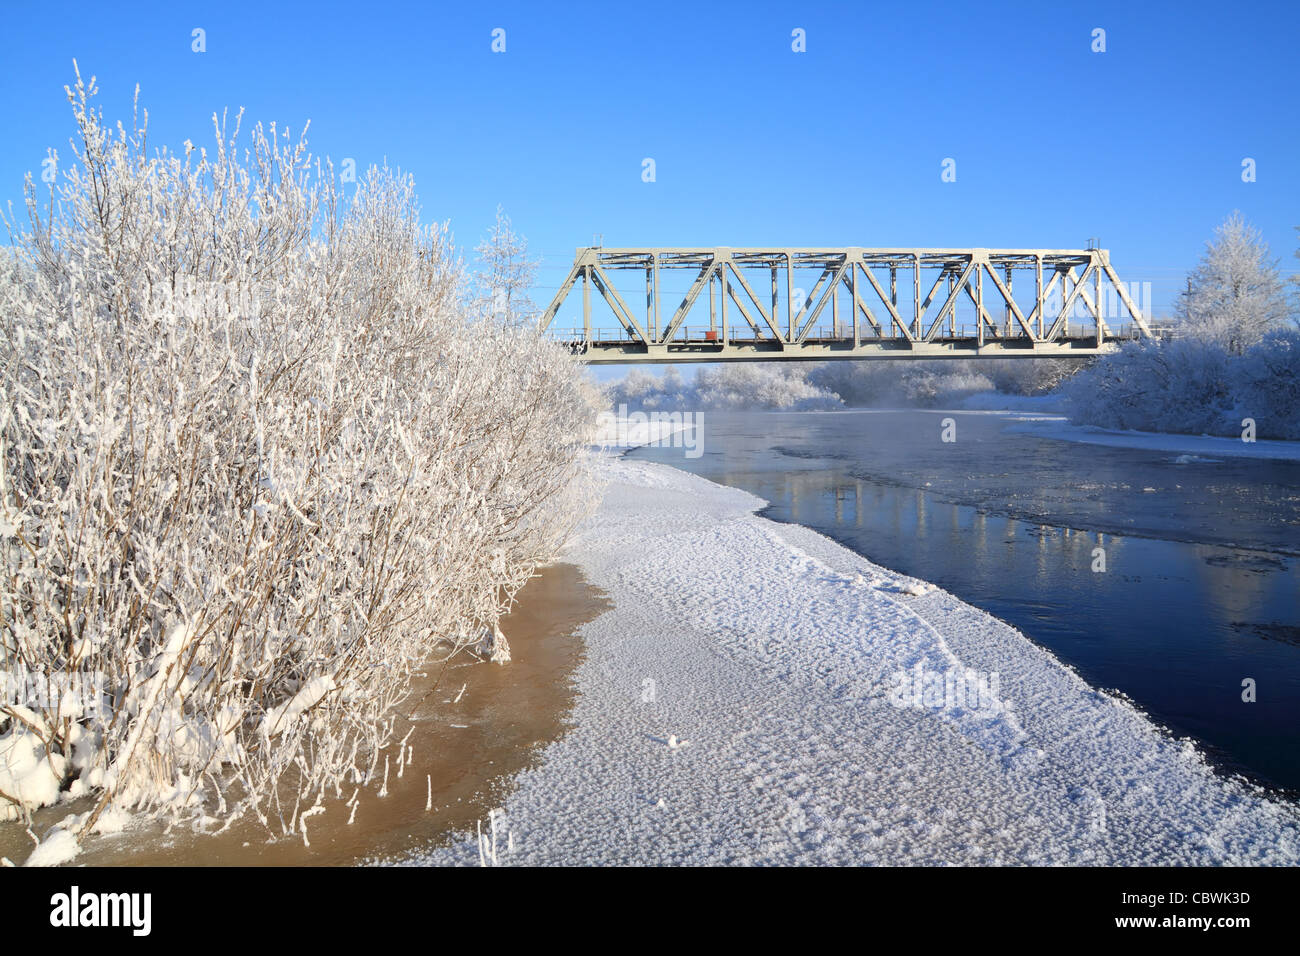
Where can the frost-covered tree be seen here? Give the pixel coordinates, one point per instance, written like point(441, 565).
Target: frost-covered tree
point(507, 273)
point(260, 461)
point(1236, 294)
point(1295, 280)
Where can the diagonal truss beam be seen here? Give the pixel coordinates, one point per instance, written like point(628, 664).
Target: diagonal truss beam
point(615, 301)
point(767, 317)
point(1068, 303)
point(951, 302)
point(813, 312)
point(730, 290)
point(1010, 301)
point(851, 280)
point(889, 305)
point(693, 293)
point(1123, 294)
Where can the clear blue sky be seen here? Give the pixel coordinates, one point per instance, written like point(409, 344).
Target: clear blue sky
point(754, 144)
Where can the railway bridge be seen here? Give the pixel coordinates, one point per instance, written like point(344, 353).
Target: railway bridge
point(861, 303)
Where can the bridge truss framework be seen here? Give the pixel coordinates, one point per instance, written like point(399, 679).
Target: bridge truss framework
point(860, 289)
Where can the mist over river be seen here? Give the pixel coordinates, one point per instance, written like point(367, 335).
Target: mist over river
point(1201, 587)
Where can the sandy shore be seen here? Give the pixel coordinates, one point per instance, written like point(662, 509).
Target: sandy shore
point(749, 700)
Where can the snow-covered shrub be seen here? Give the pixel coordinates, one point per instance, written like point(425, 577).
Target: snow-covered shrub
point(1177, 386)
point(904, 382)
point(776, 385)
point(1029, 376)
point(789, 386)
point(1266, 386)
point(261, 459)
point(640, 389)
point(856, 383)
point(1194, 387)
point(932, 386)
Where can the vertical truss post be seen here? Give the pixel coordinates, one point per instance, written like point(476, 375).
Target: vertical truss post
point(586, 303)
point(649, 302)
point(835, 311)
point(1067, 302)
point(1038, 279)
point(1101, 315)
point(1006, 317)
point(654, 336)
point(916, 294)
point(722, 290)
point(713, 306)
point(979, 303)
point(775, 320)
point(853, 305)
point(952, 308)
point(789, 295)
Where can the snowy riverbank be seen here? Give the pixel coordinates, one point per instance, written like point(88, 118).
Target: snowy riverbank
point(1202, 447)
point(1043, 416)
point(741, 704)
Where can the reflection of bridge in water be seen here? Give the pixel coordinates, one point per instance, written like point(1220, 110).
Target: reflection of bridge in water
point(973, 308)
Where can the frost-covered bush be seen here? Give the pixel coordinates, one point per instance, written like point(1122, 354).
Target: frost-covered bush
point(723, 387)
point(1192, 386)
point(776, 385)
point(640, 389)
point(1029, 376)
point(1177, 386)
point(924, 383)
point(261, 459)
point(928, 387)
point(1266, 386)
point(789, 386)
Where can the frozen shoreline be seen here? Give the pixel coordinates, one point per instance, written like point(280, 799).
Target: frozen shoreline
point(1204, 446)
point(1041, 415)
point(768, 653)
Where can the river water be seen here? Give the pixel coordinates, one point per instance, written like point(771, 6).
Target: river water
point(1201, 583)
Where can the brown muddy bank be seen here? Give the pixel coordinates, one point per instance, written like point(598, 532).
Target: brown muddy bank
point(469, 748)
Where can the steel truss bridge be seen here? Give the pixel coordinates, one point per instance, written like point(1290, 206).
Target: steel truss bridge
point(1018, 302)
